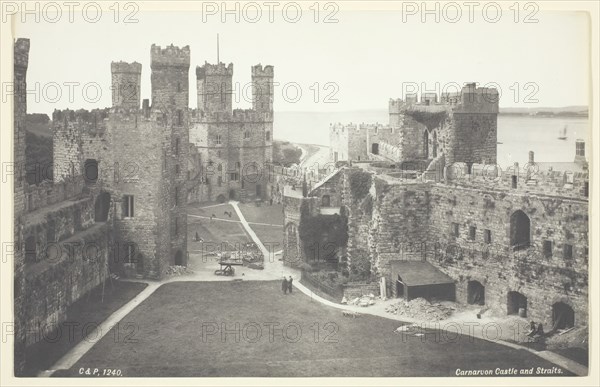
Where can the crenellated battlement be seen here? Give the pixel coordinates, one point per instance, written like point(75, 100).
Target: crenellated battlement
point(21, 51)
point(170, 56)
point(236, 116)
point(219, 69)
point(125, 67)
point(259, 71)
point(81, 115)
point(528, 179)
point(470, 99)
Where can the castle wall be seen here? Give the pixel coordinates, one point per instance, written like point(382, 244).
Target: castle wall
point(559, 220)
point(55, 284)
point(21, 61)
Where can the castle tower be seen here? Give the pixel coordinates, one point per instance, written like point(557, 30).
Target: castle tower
point(21, 61)
point(262, 88)
point(474, 124)
point(170, 85)
point(126, 80)
point(214, 87)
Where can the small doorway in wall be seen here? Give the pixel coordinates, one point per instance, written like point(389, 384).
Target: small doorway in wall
point(516, 301)
point(375, 148)
point(178, 258)
point(563, 316)
point(231, 194)
point(475, 293)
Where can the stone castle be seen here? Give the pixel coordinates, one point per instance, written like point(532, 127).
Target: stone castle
point(122, 179)
point(420, 208)
point(231, 149)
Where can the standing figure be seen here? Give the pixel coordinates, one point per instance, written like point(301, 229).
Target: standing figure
point(289, 284)
point(284, 285)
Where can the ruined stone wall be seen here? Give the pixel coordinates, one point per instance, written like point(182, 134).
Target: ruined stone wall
point(21, 61)
point(293, 251)
point(329, 191)
point(78, 136)
point(543, 279)
point(48, 193)
point(56, 283)
point(401, 216)
point(55, 223)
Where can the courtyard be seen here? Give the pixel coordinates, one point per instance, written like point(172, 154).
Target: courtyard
point(249, 328)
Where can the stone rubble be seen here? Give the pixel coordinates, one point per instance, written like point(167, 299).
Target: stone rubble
point(420, 309)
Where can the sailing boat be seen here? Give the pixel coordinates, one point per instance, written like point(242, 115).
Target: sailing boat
point(562, 135)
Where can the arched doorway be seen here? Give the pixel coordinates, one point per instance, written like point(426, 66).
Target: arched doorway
point(563, 316)
point(475, 293)
point(425, 144)
point(325, 201)
point(221, 198)
point(90, 171)
point(178, 258)
point(520, 227)
point(515, 302)
point(101, 207)
point(231, 194)
point(375, 148)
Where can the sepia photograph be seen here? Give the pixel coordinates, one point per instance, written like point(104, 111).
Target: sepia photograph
point(296, 190)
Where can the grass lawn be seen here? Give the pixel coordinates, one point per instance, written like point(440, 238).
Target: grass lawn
point(189, 329)
point(217, 209)
point(215, 233)
point(87, 310)
point(263, 214)
point(270, 236)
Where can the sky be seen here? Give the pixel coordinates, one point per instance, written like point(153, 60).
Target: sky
point(356, 63)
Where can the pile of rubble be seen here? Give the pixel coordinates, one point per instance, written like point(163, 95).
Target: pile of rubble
point(365, 300)
point(179, 270)
point(420, 309)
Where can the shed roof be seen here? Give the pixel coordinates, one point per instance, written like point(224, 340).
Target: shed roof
point(418, 273)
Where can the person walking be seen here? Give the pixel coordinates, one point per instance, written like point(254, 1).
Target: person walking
point(289, 284)
point(284, 285)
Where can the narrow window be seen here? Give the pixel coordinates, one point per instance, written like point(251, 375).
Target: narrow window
point(268, 135)
point(128, 206)
point(548, 249)
point(455, 230)
point(472, 232)
point(176, 196)
point(218, 139)
point(177, 147)
point(514, 181)
point(176, 226)
point(568, 251)
point(487, 236)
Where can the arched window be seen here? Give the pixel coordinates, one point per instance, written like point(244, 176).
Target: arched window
point(520, 230)
point(434, 144)
point(90, 171)
point(425, 144)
